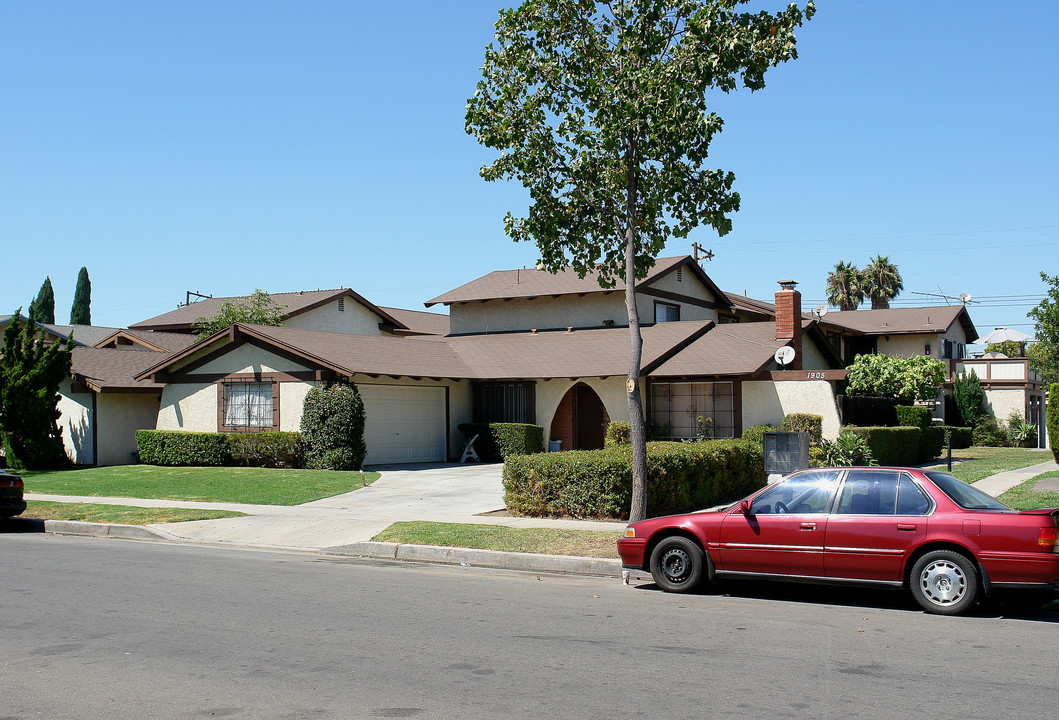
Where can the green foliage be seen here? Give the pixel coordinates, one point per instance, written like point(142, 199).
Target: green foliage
point(881, 282)
point(42, 309)
point(332, 428)
point(915, 378)
point(804, 422)
point(1053, 419)
point(1044, 353)
point(1021, 433)
point(267, 449)
point(600, 111)
point(845, 286)
point(913, 416)
point(30, 374)
point(969, 396)
point(497, 441)
point(931, 438)
point(848, 450)
point(703, 428)
point(756, 433)
point(81, 311)
point(1011, 348)
point(989, 433)
point(180, 448)
point(598, 483)
point(960, 437)
point(891, 445)
point(256, 309)
point(617, 434)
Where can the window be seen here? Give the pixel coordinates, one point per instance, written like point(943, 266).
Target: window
point(664, 312)
point(868, 492)
point(953, 350)
point(676, 407)
point(807, 493)
point(247, 406)
point(504, 402)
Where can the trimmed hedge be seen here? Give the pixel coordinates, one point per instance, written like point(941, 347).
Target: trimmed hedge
point(332, 428)
point(176, 447)
point(804, 422)
point(891, 445)
point(267, 449)
point(932, 437)
point(598, 483)
point(913, 416)
point(756, 433)
point(498, 441)
point(959, 436)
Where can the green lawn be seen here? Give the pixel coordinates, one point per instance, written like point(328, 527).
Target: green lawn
point(547, 541)
point(255, 486)
point(1024, 497)
point(981, 462)
point(123, 514)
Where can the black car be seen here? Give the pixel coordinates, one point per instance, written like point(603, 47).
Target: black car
point(11, 502)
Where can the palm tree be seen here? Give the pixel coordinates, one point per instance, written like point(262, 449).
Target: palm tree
point(882, 282)
point(845, 286)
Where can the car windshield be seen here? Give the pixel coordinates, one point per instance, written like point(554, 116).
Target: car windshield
point(963, 494)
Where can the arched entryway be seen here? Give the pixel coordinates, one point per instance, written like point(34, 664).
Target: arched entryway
point(581, 420)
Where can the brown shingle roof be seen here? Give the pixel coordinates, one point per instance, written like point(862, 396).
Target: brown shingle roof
point(109, 369)
point(730, 349)
point(419, 322)
point(902, 321)
point(149, 340)
point(293, 303)
point(506, 284)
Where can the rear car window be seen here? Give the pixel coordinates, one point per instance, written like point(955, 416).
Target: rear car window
point(963, 494)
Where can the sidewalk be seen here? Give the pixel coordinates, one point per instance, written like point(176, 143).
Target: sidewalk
point(1000, 483)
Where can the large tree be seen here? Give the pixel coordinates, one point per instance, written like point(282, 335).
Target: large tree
point(30, 373)
point(600, 110)
point(256, 309)
point(845, 286)
point(42, 309)
point(1044, 353)
point(881, 282)
point(81, 311)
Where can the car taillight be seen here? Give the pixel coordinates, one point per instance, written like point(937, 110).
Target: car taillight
point(1048, 539)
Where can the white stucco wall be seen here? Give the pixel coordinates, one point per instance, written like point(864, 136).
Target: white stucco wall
point(611, 391)
point(354, 318)
point(188, 406)
point(766, 402)
point(119, 416)
point(76, 423)
point(291, 399)
point(1001, 403)
point(909, 345)
point(249, 359)
point(541, 313)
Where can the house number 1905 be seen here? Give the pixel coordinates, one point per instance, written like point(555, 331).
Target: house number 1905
point(814, 376)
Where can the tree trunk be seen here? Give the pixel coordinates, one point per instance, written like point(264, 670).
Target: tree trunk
point(637, 431)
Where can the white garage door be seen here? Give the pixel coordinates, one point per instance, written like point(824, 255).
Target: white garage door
point(403, 424)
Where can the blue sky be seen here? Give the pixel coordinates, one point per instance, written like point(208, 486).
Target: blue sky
point(221, 147)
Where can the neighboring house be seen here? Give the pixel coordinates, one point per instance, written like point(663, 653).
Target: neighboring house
point(516, 346)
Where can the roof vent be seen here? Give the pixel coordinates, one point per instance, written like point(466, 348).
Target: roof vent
point(341, 304)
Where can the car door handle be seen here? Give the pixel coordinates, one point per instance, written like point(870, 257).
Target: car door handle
point(808, 526)
point(906, 528)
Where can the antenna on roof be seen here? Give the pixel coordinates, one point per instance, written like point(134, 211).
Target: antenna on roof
point(965, 298)
point(696, 249)
point(198, 295)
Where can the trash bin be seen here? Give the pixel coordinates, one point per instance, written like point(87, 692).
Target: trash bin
point(555, 445)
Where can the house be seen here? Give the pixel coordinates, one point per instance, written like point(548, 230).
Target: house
point(518, 345)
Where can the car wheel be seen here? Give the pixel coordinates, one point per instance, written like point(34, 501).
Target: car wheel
point(677, 564)
point(944, 582)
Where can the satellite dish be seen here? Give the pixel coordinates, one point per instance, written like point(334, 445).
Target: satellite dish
point(820, 311)
point(784, 355)
point(965, 298)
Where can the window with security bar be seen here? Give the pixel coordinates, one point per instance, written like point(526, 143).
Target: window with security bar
point(504, 402)
point(247, 405)
point(676, 407)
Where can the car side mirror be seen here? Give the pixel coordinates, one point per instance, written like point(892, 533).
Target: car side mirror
point(744, 507)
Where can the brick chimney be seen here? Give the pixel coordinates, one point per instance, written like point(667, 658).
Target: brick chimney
point(789, 320)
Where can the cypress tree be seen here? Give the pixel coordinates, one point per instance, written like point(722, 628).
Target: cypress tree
point(81, 313)
point(42, 309)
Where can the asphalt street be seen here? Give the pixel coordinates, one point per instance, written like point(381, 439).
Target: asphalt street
point(122, 629)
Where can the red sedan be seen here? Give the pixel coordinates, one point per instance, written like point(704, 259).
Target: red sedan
point(941, 538)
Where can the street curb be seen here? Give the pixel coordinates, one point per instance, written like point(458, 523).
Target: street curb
point(526, 562)
point(114, 530)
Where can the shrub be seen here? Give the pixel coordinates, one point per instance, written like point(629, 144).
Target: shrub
point(988, 433)
point(703, 428)
point(913, 416)
point(332, 428)
point(960, 437)
point(891, 445)
point(267, 449)
point(1022, 434)
point(179, 448)
point(497, 441)
point(931, 439)
point(598, 483)
point(1053, 419)
point(756, 433)
point(618, 433)
point(969, 396)
point(848, 450)
point(804, 422)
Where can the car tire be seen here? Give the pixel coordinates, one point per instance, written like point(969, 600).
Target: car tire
point(677, 564)
point(944, 582)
